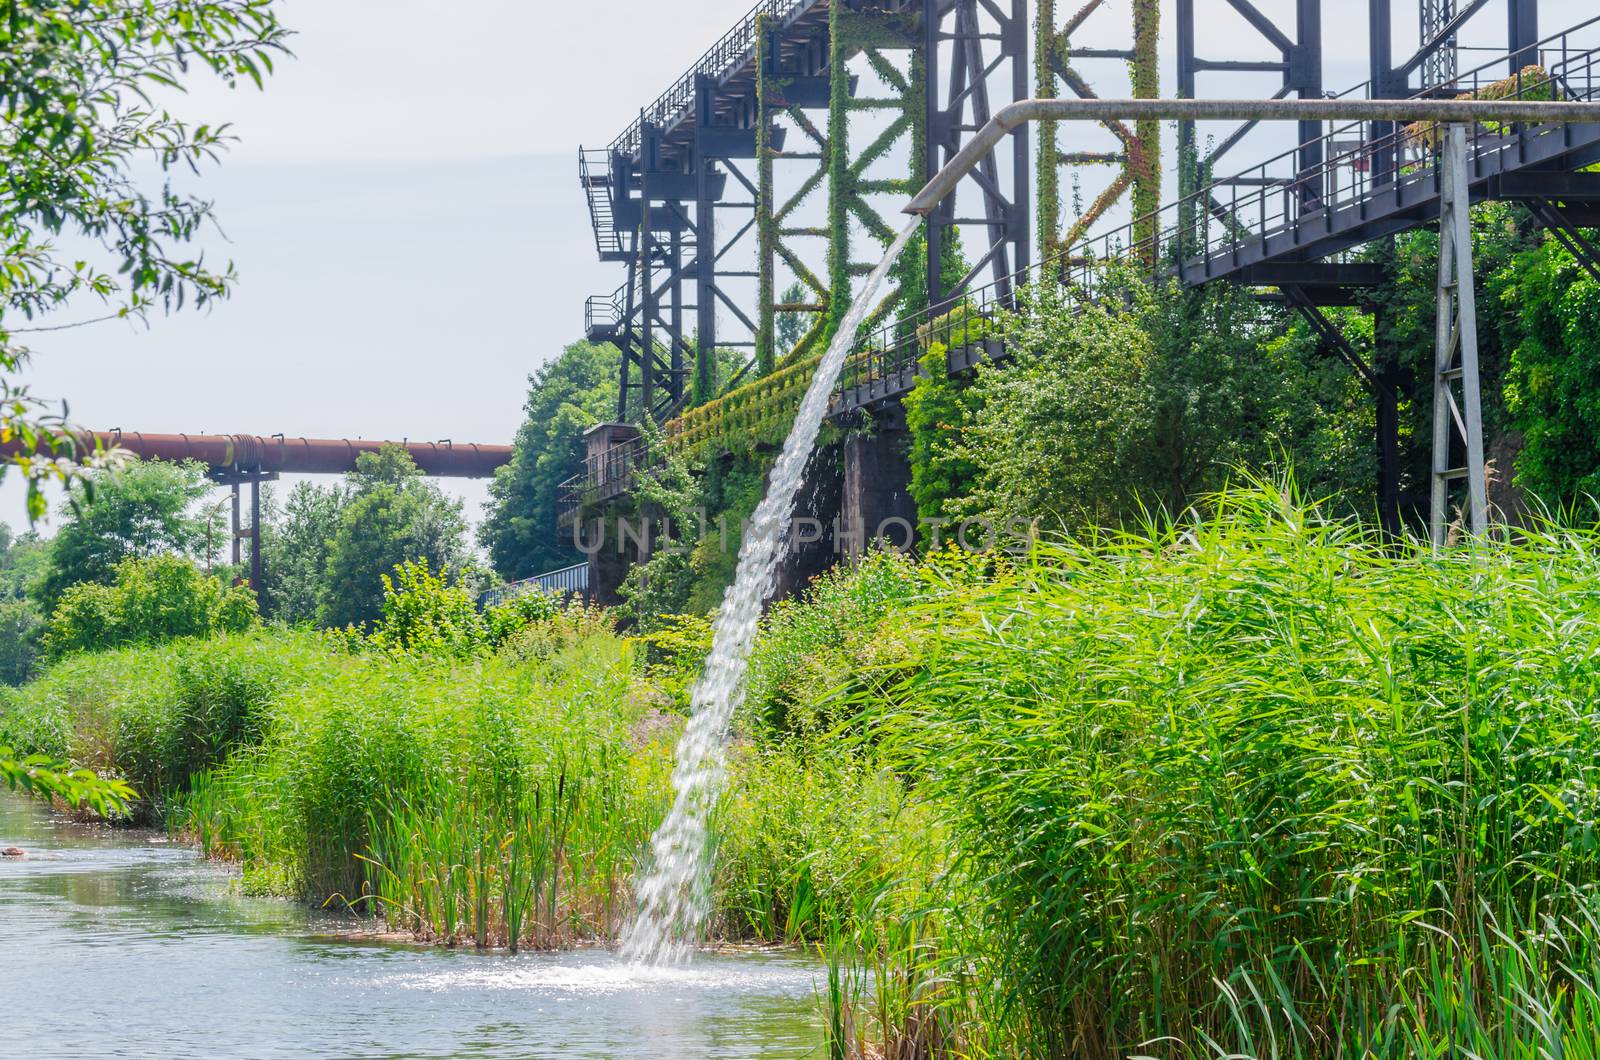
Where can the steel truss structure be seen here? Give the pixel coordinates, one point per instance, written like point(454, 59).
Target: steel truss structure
point(746, 171)
point(1059, 64)
point(759, 135)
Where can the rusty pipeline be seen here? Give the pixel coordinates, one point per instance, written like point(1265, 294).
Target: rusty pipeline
point(277, 453)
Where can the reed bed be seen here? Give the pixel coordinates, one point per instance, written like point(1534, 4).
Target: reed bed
point(1257, 784)
point(504, 801)
point(1262, 784)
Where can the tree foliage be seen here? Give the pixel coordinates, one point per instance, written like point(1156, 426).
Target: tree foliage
point(22, 561)
point(1149, 397)
point(1553, 382)
point(1058, 429)
point(791, 324)
point(48, 778)
point(568, 395)
point(294, 550)
point(79, 84)
point(392, 515)
point(140, 509)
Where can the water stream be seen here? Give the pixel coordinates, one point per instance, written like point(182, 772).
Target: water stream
point(123, 944)
point(674, 897)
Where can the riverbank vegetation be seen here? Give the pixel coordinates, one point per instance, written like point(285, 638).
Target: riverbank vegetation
point(1239, 777)
point(1257, 782)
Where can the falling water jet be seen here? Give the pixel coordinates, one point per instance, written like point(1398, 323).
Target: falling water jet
point(675, 896)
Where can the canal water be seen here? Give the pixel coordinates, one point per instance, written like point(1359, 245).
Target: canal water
point(125, 944)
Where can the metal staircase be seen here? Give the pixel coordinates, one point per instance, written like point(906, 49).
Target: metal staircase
point(594, 172)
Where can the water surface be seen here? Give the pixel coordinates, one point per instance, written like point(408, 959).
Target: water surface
point(125, 944)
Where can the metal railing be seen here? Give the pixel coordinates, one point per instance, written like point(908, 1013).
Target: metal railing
point(1276, 195)
point(604, 312)
point(568, 581)
point(1220, 219)
point(604, 476)
point(733, 50)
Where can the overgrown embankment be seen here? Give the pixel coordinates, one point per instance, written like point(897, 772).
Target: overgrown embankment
point(1256, 784)
point(496, 797)
point(1260, 785)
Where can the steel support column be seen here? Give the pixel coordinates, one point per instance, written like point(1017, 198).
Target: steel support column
point(983, 52)
point(1299, 67)
point(237, 534)
point(645, 253)
point(233, 477)
point(1391, 381)
point(1383, 85)
point(705, 273)
point(1305, 77)
point(1522, 33)
point(1457, 424)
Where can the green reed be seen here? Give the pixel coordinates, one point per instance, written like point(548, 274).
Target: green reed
point(1263, 784)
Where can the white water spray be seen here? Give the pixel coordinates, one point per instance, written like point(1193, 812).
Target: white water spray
point(675, 897)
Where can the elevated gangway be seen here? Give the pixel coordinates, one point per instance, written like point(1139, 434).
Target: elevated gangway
point(1273, 226)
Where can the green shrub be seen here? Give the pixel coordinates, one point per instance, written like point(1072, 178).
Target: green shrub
point(426, 616)
point(152, 600)
point(833, 639)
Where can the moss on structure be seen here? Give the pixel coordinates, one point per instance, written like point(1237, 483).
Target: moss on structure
point(1141, 146)
point(838, 152)
point(1144, 154)
point(1047, 191)
point(766, 223)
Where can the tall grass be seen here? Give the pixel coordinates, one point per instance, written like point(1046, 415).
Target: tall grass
point(1263, 784)
point(156, 715)
point(393, 776)
point(502, 801)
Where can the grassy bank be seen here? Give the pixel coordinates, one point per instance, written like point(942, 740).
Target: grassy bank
point(497, 801)
point(1255, 785)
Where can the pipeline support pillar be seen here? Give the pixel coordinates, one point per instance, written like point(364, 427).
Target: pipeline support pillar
point(1457, 424)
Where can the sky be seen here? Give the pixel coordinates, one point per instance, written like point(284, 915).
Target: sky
point(403, 211)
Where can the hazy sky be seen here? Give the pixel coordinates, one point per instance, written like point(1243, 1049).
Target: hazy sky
point(404, 213)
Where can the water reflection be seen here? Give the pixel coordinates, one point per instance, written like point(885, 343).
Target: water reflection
point(125, 945)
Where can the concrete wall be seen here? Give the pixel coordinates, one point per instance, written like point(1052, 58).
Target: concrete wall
point(876, 498)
